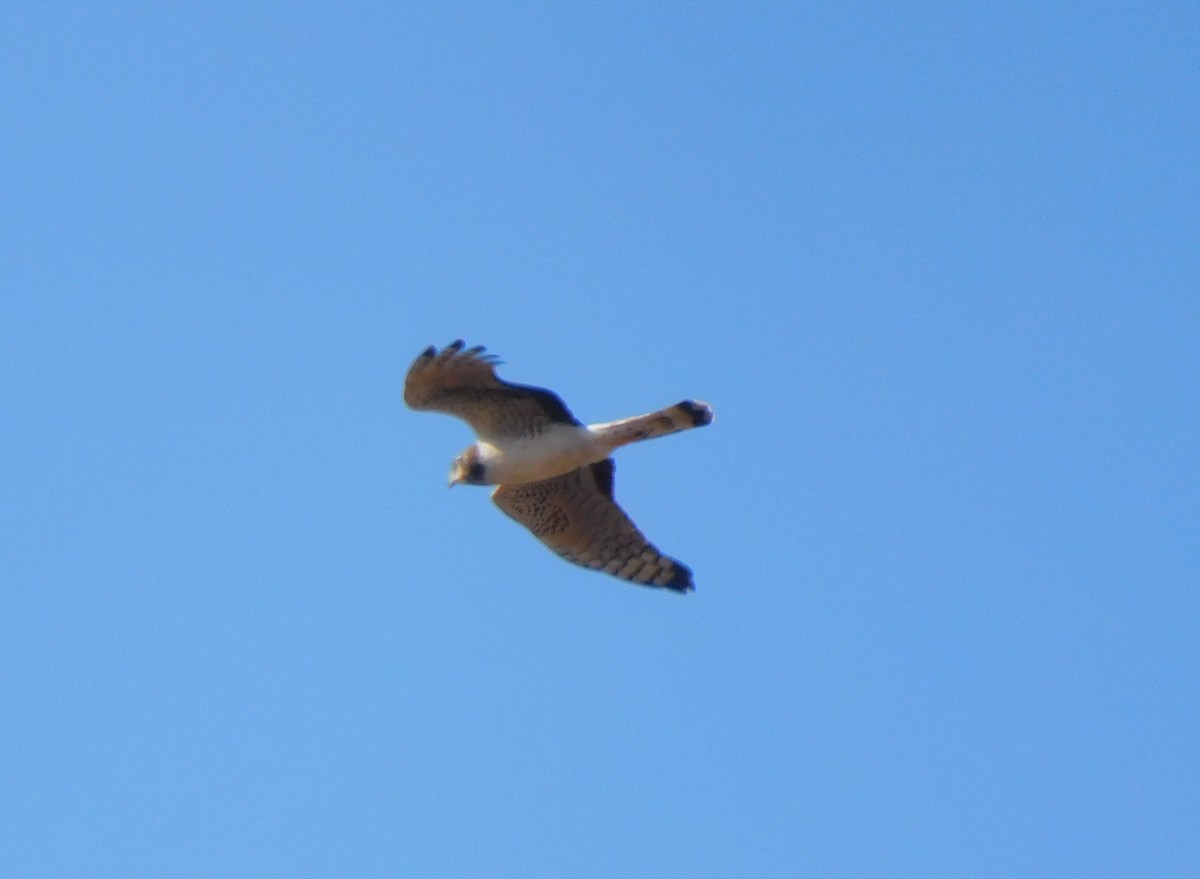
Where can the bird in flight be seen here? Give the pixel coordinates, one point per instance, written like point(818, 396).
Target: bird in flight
point(553, 474)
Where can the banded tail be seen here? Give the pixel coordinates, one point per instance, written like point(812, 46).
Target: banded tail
point(673, 419)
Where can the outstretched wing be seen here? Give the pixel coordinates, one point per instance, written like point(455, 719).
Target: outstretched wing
point(575, 515)
point(463, 383)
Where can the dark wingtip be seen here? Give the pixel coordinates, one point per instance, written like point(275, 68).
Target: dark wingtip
point(700, 413)
point(681, 580)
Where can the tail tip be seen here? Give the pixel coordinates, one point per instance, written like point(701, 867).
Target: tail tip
point(699, 413)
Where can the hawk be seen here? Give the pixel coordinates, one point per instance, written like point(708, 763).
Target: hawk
point(553, 474)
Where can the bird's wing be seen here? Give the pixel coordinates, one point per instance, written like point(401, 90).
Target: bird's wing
point(463, 383)
point(575, 515)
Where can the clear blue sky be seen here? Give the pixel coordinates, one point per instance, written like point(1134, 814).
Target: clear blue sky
point(937, 268)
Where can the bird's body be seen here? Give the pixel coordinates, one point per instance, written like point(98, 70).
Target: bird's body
point(553, 473)
point(558, 449)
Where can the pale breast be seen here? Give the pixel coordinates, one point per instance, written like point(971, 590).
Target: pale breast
point(553, 452)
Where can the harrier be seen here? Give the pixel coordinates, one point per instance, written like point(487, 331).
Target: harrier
point(552, 473)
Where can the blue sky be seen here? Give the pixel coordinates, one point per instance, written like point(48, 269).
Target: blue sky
point(936, 268)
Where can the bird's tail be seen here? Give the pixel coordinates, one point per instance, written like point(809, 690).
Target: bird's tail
point(681, 416)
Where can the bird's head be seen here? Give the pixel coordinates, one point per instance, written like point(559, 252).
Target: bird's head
point(468, 468)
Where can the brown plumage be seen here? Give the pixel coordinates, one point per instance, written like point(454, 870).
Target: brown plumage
point(553, 474)
point(463, 383)
point(576, 516)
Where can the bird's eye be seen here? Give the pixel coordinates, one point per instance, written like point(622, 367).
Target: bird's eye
point(475, 472)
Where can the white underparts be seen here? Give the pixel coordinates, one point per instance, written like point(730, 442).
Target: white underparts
point(561, 448)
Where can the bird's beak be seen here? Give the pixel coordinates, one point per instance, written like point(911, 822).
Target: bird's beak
point(455, 477)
